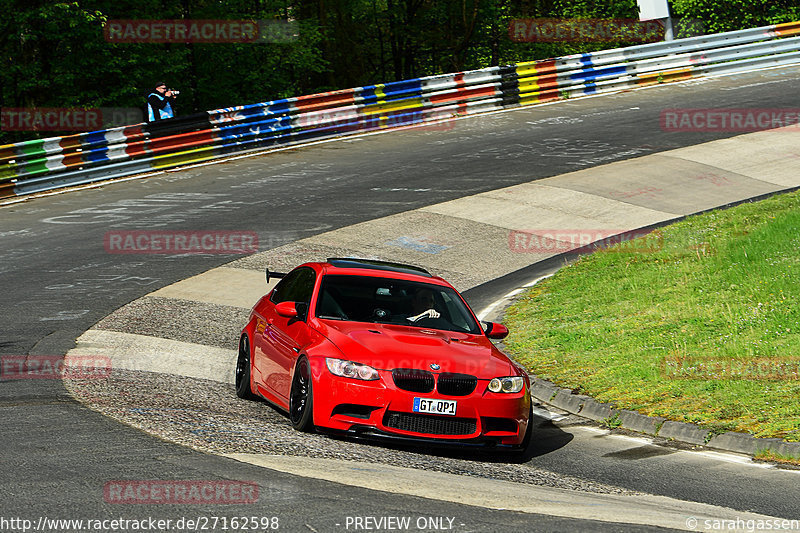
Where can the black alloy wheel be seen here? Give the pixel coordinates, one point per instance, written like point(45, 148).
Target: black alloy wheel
point(301, 398)
point(242, 377)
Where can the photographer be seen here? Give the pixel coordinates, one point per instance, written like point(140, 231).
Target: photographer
point(159, 103)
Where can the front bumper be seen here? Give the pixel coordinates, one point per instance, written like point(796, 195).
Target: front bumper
point(381, 410)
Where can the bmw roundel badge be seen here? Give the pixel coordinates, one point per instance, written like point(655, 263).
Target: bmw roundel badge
point(434, 366)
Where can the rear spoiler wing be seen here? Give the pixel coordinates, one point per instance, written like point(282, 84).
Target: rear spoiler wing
point(276, 275)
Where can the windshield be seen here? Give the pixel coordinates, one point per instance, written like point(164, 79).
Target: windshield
point(393, 301)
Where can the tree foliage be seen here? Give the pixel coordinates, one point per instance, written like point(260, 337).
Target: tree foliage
point(729, 15)
point(54, 53)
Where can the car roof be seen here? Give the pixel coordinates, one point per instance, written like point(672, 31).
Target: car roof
point(351, 266)
point(374, 264)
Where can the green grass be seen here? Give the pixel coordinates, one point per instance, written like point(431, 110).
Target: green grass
point(704, 328)
point(774, 457)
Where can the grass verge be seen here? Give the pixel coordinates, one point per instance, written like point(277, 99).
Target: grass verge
point(704, 328)
point(774, 457)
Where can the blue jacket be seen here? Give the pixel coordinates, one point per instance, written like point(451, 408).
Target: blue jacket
point(158, 107)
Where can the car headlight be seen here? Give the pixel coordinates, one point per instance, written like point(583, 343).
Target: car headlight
point(349, 369)
point(510, 384)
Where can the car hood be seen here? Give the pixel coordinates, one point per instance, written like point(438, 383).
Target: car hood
point(388, 346)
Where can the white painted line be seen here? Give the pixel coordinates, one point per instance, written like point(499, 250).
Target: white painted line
point(592, 429)
point(73, 188)
point(15, 200)
point(636, 440)
point(719, 456)
point(547, 415)
point(537, 280)
point(732, 458)
point(486, 311)
point(659, 511)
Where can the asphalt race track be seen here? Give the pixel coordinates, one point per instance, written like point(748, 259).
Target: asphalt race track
point(58, 280)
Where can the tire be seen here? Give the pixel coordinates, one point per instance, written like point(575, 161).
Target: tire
point(242, 372)
point(301, 397)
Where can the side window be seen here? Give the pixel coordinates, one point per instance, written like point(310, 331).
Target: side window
point(301, 290)
point(458, 313)
point(297, 286)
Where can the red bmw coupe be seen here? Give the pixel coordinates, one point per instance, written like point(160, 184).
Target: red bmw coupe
point(378, 349)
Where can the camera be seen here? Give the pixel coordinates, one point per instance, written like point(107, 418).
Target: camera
point(174, 92)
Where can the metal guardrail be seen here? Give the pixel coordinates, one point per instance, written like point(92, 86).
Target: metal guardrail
point(40, 165)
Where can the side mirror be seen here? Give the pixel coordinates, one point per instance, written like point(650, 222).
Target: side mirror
point(495, 331)
point(286, 309)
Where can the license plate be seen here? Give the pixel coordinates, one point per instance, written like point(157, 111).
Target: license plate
point(436, 407)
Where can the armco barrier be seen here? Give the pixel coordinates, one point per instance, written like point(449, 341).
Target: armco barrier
point(45, 164)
